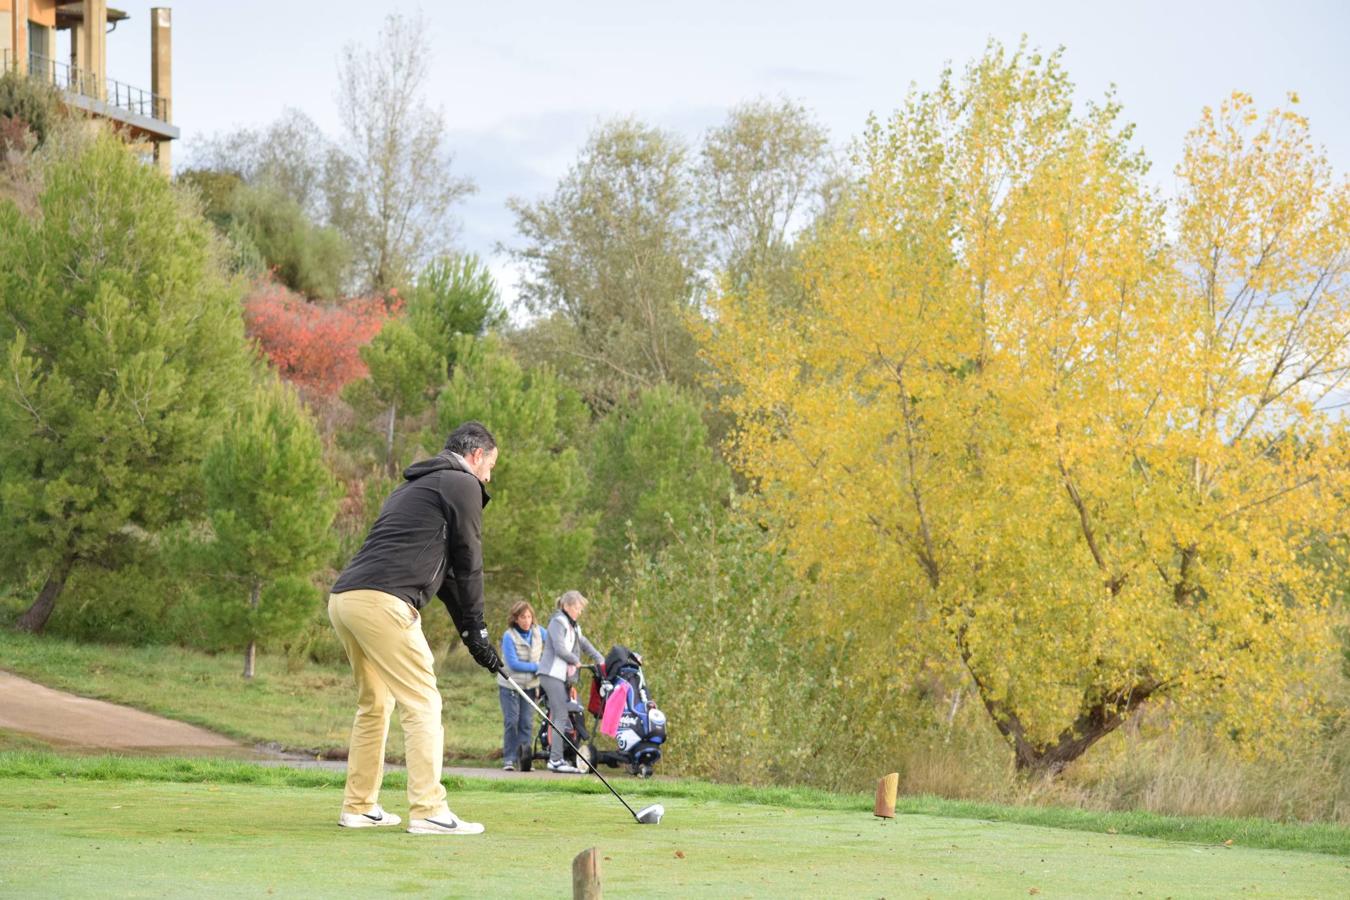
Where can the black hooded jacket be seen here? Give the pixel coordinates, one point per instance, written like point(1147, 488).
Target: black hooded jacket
point(428, 540)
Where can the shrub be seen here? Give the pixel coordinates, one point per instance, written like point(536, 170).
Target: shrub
point(271, 230)
point(314, 346)
point(309, 258)
point(32, 102)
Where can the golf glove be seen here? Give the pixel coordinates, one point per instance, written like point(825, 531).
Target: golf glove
point(481, 649)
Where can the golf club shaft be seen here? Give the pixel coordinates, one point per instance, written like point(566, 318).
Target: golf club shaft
point(562, 734)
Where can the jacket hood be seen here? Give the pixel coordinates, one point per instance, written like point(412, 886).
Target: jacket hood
point(439, 463)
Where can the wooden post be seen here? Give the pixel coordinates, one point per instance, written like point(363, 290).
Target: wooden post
point(886, 790)
point(586, 875)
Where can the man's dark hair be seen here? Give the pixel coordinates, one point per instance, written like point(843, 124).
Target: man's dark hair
point(469, 437)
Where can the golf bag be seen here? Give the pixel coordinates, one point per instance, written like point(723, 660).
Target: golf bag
point(640, 727)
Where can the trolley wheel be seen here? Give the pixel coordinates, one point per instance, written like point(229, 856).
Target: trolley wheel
point(524, 758)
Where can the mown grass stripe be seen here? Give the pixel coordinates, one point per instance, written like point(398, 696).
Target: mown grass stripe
point(1258, 833)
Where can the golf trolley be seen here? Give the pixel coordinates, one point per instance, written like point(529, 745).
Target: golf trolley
point(639, 727)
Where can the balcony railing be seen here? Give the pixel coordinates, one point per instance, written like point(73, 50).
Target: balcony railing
point(74, 80)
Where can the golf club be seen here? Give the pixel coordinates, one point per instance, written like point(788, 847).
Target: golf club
point(650, 815)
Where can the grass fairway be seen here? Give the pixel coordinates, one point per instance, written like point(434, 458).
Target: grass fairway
point(152, 838)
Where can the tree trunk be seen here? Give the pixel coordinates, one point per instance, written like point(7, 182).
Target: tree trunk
point(951, 716)
point(35, 620)
point(252, 652)
point(1095, 721)
point(389, 462)
point(1098, 716)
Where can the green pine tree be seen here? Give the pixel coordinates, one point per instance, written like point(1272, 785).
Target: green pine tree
point(454, 295)
point(122, 343)
point(271, 502)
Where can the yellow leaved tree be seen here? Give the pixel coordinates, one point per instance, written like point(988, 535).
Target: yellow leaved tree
point(1056, 434)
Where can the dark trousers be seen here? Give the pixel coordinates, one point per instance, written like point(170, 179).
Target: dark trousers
point(517, 722)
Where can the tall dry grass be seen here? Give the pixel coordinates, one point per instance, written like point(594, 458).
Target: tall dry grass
point(1155, 764)
point(1176, 769)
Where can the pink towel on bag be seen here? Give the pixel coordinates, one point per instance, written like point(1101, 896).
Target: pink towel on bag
point(609, 722)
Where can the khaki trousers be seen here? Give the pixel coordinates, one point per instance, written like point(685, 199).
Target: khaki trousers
point(392, 665)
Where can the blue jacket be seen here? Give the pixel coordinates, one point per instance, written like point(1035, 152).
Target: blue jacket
point(521, 670)
point(513, 661)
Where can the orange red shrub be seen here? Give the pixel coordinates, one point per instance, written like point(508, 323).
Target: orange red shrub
point(315, 345)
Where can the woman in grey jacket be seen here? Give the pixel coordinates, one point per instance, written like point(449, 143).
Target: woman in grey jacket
point(559, 665)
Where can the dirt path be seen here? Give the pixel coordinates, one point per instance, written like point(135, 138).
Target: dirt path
point(63, 719)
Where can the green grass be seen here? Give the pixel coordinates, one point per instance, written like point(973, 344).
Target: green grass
point(308, 708)
point(151, 838)
point(1247, 833)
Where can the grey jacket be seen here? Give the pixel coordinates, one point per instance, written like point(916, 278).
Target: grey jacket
point(560, 647)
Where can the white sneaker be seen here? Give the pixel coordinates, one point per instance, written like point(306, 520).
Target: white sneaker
point(509, 767)
point(445, 824)
point(563, 767)
point(372, 819)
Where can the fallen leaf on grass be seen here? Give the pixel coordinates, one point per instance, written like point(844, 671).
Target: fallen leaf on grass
point(1228, 843)
point(1034, 890)
point(679, 854)
point(1112, 831)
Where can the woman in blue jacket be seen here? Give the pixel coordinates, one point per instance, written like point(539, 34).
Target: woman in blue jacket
point(522, 647)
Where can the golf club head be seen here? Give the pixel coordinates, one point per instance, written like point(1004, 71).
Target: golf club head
point(651, 815)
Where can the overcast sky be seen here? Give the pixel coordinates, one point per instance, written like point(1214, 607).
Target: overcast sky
point(521, 84)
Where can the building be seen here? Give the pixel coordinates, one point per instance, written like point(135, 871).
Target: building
point(29, 34)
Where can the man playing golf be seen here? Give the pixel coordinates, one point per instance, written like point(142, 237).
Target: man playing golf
point(426, 540)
